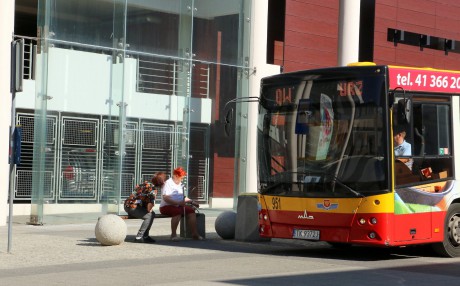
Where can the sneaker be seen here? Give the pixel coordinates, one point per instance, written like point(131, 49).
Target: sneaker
point(138, 240)
point(198, 237)
point(174, 238)
point(148, 239)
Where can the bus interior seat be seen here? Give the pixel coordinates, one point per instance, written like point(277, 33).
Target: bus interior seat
point(403, 174)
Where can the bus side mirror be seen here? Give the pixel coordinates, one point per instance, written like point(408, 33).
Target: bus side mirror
point(229, 115)
point(403, 111)
point(228, 122)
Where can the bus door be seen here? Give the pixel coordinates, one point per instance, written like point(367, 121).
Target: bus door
point(423, 165)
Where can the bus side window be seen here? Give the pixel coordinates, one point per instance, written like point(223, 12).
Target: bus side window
point(402, 130)
point(432, 141)
point(419, 131)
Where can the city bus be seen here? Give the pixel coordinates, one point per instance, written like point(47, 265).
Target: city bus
point(329, 166)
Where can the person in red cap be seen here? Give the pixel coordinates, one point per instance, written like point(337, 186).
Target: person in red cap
point(175, 204)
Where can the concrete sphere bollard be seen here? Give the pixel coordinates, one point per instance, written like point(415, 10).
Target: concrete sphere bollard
point(111, 230)
point(225, 224)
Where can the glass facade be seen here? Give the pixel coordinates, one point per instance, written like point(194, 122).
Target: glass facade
point(126, 88)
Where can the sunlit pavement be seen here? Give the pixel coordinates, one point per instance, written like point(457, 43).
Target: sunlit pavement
point(69, 254)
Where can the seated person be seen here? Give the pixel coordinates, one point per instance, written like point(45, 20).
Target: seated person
point(175, 204)
point(402, 148)
point(140, 205)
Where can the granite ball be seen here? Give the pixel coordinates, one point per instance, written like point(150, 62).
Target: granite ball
point(111, 230)
point(225, 224)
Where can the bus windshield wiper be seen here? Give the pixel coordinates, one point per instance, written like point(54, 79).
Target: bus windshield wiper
point(358, 194)
point(278, 180)
point(272, 186)
point(335, 180)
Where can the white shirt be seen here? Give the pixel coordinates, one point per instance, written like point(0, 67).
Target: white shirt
point(405, 149)
point(173, 190)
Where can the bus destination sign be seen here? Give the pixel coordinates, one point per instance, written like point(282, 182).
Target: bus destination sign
point(425, 80)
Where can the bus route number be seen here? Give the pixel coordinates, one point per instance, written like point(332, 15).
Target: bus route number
point(283, 95)
point(276, 203)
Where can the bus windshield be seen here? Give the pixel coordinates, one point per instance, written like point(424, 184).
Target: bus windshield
point(323, 138)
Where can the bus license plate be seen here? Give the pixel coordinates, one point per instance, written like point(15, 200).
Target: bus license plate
point(306, 234)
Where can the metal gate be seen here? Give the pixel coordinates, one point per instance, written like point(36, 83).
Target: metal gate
point(111, 155)
point(23, 172)
point(156, 149)
point(79, 165)
point(82, 158)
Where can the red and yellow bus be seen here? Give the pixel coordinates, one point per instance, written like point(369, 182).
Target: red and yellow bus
point(330, 164)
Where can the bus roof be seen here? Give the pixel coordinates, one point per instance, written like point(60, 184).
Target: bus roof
point(329, 72)
point(399, 77)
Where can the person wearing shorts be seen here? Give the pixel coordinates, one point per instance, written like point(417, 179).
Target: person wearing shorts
point(175, 204)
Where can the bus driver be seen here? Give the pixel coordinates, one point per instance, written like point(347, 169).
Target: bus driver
point(402, 148)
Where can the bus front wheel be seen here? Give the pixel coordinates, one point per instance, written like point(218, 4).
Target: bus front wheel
point(450, 247)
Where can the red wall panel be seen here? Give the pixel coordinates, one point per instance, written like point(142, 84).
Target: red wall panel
point(311, 32)
point(438, 18)
point(223, 177)
point(322, 3)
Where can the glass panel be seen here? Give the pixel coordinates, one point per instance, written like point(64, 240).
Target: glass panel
point(118, 88)
point(184, 78)
point(113, 170)
point(241, 133)
point(243, 110)
point(39, 167)
point(218, 30)
point(81, 81)
point(444, 128)
point(432, 158)
point(82, 22)
point(436, 129)
point(155, 27)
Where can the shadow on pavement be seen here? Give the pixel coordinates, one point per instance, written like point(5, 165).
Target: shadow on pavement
point(284, 247)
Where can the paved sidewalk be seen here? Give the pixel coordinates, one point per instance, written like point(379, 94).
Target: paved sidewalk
point(70, 243)
point(68, 254)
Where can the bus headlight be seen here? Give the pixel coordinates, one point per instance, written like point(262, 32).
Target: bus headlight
point(362, 221)
point(373, 220)
point(372, 235)
point(263, 216)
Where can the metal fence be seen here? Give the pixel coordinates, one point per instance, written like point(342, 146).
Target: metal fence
point(163, 76)
point(28, 56)
point(82, 157)
point(155, 74)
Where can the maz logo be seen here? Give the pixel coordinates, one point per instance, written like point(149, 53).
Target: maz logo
point(305, 216)
point(327, 205)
